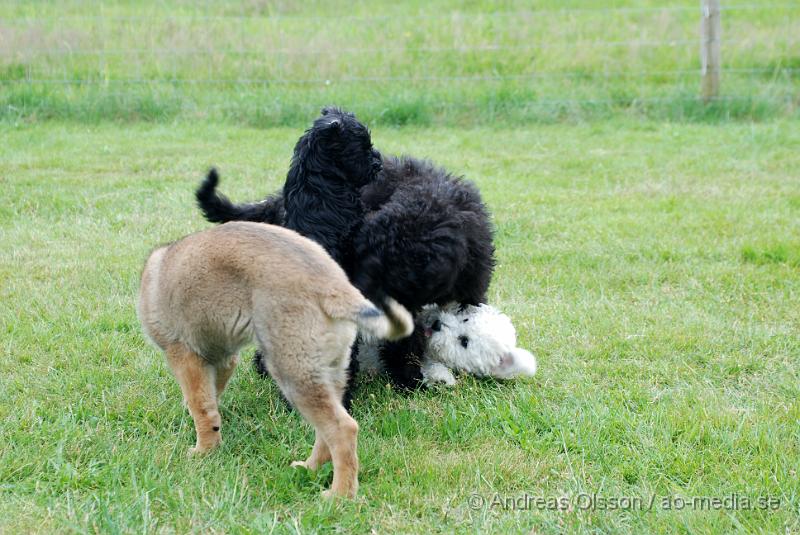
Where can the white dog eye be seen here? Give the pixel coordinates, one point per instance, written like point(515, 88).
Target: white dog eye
point(464, 341)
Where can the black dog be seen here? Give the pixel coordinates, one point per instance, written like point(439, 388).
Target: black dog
point(413, 231)
point(426, 237)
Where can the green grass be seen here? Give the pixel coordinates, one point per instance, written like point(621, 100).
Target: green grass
point(652, 266)
point(647, 243)
point(447, 63)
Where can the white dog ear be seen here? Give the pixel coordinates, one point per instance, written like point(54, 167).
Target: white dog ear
point(514, 363)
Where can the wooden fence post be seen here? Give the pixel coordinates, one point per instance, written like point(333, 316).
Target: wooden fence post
point(710, 30)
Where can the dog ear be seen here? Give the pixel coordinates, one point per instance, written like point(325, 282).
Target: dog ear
point(514, 363)
point(333, 109)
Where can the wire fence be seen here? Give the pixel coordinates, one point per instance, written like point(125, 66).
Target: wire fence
point(421, 15)
point(545, 57)
point(778, 71)
point(372, 50)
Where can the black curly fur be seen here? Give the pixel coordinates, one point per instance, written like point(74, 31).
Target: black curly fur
point(321, 198)
point(413, 231)
point(426, 239)
point(217, 208)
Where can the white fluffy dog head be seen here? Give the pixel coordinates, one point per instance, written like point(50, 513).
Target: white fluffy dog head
point(479, 340)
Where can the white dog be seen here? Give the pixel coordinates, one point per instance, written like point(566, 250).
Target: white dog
point(479, 340)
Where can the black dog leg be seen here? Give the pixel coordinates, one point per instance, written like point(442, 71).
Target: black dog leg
point(352, 371)
point(402, 360)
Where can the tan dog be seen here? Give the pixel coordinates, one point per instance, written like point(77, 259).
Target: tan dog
point(204, 297)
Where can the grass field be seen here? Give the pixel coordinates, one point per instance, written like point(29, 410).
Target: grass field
point(648, 247)
point(651, 266)
point(267, 63)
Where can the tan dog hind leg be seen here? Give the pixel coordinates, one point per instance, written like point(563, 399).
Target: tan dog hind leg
point(339, 431)
point(198, 379)
point(320, 454)
point(224, 372)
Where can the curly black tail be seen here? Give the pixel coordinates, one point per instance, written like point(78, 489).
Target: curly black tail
point(217, 208)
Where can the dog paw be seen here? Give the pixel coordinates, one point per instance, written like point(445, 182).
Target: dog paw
point(197, 451)
point(437, 373)
point(445, 381)
point(202, 450)
point(330, 494)
point(302, 464)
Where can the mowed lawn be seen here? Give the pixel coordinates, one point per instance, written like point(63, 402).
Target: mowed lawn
point(653, 268)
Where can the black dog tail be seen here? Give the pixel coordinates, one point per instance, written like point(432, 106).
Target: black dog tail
point(217, 208)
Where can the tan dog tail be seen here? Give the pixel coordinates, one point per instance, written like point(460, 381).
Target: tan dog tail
point(392, 324)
